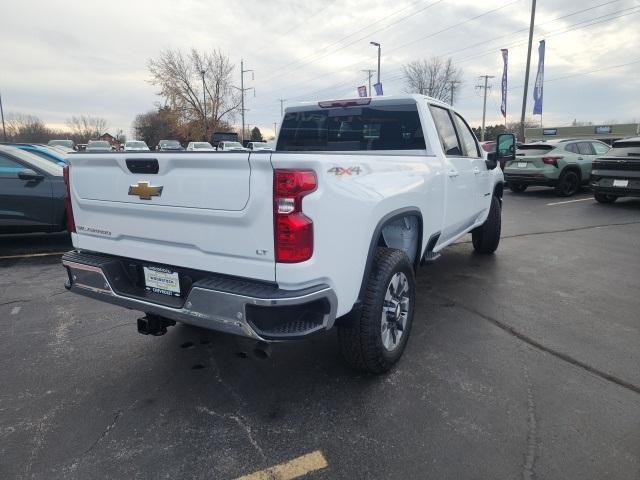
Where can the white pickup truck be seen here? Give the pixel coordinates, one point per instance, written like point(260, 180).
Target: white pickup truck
point(326, 230)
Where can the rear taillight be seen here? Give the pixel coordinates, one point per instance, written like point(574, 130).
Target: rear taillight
point(71, 224)
point(293, 230)
point(551, 160)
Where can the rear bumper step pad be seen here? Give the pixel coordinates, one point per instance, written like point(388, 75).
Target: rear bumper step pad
point(237, 306)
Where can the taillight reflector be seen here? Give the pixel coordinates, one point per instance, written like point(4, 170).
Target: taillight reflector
point(293, 230)
point(71, 224)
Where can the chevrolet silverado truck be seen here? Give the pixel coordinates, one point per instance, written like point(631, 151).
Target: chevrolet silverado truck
point(327, 230)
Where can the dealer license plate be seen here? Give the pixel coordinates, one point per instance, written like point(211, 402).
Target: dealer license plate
point(620, 183)
point(161, 280)
point(522, 164)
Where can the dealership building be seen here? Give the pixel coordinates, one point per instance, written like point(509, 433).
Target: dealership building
point(606, 133)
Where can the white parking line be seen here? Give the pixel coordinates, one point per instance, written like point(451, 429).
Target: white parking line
point(15, 310)
point(571, 201)
point(295, 468)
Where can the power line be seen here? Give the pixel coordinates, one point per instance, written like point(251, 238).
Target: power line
point(575, 26)
point(301, 62)
point(440, 31)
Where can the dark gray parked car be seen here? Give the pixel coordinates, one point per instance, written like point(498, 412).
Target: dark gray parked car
point(32, 193)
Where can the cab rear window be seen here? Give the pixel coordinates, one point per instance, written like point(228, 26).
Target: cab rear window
point(353, 129)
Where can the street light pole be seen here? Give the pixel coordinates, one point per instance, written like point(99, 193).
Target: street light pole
point(4, 131)
point(526, 75)
point(282, 100)
point(376, 44)
point(204, 104)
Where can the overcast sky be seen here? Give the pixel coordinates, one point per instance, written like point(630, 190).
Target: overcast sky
point(64, 58)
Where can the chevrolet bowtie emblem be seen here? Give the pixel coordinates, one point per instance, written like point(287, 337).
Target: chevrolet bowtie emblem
point(145, 191)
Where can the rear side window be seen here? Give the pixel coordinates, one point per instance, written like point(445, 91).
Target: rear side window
point(446, 131)
point(585, 148)
point(572, 147)
point(395, 127)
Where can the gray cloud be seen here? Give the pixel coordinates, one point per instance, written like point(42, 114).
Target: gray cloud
point(66, 58)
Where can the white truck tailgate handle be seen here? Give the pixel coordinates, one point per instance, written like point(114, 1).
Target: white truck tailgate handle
point(452, 173)
point(476, 170)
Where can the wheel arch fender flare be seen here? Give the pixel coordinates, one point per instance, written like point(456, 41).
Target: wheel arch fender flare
point(377, 236)
point(572, 168)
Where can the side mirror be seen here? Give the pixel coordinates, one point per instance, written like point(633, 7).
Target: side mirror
point(29, 175)
point(505, 149)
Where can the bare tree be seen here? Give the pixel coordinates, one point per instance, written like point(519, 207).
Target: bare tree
point(180, 79)
point(86, 127)
point(156, 125)
point(27, 128)
point(434, 77)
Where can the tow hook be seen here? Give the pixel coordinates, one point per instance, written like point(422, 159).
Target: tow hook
point(154, 325)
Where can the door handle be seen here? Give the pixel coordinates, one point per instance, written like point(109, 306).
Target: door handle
point(580, 158)
point(453, 173)
point(476, 170)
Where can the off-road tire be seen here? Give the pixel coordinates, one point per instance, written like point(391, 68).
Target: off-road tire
point(604, 198)
point(568, 184)
point(486, 237)
point(360, 333)
point(518, 187)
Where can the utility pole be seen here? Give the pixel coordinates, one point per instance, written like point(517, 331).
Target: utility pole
point(526, 75)
point(282, 100)
point(204, 104)
point(484, 87)
point(369, 72)
point(242, 90)
point(452, 88)
point(4, 131)
point(275, 129)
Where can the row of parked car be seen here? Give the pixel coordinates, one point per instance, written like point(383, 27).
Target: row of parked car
point(163, 146)
point(32, 191)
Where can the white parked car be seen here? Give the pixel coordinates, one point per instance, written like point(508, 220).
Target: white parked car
point(328, 230)
point(200, 147)
point(227, 146)
point(98, 146)
point(259, 146)
point(135, 146)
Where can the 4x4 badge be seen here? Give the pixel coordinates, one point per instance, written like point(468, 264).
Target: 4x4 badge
point(145, 191)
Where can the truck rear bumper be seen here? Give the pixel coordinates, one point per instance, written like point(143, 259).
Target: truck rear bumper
point(237, 306)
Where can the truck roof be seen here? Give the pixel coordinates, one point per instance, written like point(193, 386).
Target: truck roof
point(381, 100)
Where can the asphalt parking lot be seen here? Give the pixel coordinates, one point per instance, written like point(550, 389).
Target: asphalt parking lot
point(525, 364)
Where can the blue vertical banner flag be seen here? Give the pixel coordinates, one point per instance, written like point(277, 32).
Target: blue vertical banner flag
point(539, 87)
point(505, 60)
point(378, 88)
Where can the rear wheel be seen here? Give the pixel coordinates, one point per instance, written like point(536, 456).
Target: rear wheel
point(568, 183)
point(605, 198)
point(518, 187)
point(373, 338)
point(486, 237)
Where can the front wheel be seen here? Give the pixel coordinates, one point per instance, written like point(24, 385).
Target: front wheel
point(373, 338)
point(605, 198)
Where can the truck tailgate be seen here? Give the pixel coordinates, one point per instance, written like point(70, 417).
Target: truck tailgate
point(207, 211)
